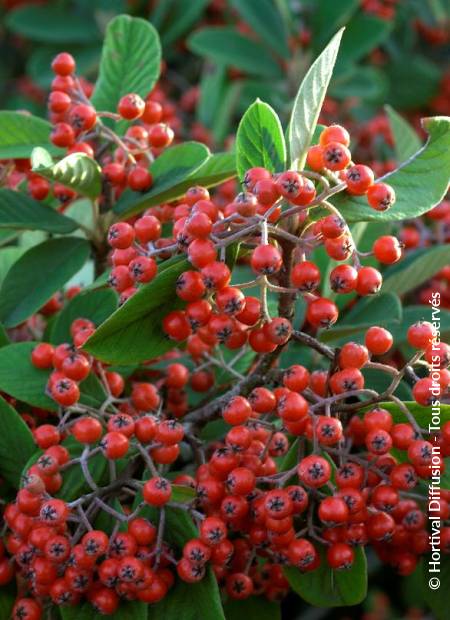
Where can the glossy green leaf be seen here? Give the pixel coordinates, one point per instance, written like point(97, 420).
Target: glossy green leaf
point(19, 211)
point(253, 608)
point(96, 305)
point(127, 610)
point(37, 275)
point(4, 339)
point(437, 599)
point(20, 379)
point(264, 18)
point(20, 133)
point(7, 600)
point(406, 140)
point(77, 171)
point(51, 24)
point(364, 32)
point(422, 415)
point(367, 83)
point(413, 81)
point(225, 45)
point(213, 84)
point(194, 601)
point(325, 587)
point(174, 171)
point(420, 183)
point(308, 102)
point(382, 309)
point(328, 16)
point(215, 170)
point(183, 15)
point(130, 62)
point(8, 256)
point(133, 333)
point(415, 269)
point(13, 433)
point(260, 140)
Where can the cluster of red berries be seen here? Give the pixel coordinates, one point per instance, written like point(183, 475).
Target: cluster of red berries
point(77, 125)
point(332, 153)
point(99, 567)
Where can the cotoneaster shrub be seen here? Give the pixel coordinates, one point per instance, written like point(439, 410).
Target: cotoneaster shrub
point(235, 404)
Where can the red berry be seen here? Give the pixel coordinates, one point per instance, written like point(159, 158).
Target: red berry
point(420, 334)
point(42, 355)
point(63, 64)
point(359, 178)
point(387, 250)
point(322, 312)
point(120, 235)
point(131, 106)
point(336, 156)
point(266, 259)
point(139, 179)
point(157, 491)
point(334, 133)
point(305, 276)
point(380, 196)
point(369, 281)
point(378, 340)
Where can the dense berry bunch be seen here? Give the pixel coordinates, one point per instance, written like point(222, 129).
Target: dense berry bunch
point(290, 460)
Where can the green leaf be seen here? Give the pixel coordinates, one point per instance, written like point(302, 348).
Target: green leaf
point(328, 17)
point(414, 81)
point(130, 62)
point(406, 140)
point(415, 269)
point(94, 305)
point(367, 83)
point(7, 600)
point(325, 587)
point(363, 33)
point(37, 275)
point(19, 211)
point(13, 433)
point(50, 24)
point(224, 45)
point(170, 171)
point(264, 18)
point(128, 610)
point(195, 601)
point(20, 133)
point(216, 169)
point(133, 333)
point(183, 15)
point(8, 256)
point(420, 183)
point(253, 608)
point(260, 140)
point(308, 102)
point(212, 86)
point(4, 339)
point(382, 309)
point(77, 171)
point(422, 415)
point(437, 599)
point(20, 379)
